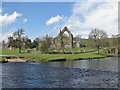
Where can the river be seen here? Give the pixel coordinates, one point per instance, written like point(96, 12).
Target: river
point(109, 63)
point(97, 73)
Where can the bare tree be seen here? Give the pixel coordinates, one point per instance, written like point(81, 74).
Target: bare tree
point(46, 42)
point(18, 35)
point(97, 38)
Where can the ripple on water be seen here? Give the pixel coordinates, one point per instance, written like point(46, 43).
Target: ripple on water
point(39, 75)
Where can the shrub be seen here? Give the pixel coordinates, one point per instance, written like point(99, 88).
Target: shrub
point(44, 48)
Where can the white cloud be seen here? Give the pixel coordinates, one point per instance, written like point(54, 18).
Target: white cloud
point(25, 20)
point(5, 36)
point(8, 19)
point(54, 20)
point(0, 10)
point(88, 15)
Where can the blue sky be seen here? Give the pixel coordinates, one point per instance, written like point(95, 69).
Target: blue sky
point(37, 14)
point(41, 18)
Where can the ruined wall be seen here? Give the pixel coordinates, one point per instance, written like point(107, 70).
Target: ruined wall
point(62, 39)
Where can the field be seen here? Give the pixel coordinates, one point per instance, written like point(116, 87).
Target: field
point(51, 57)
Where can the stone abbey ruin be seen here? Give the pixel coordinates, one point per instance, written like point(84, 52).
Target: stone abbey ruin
point(64, 40)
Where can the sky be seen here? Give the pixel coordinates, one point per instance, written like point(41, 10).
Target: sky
point(41, 18)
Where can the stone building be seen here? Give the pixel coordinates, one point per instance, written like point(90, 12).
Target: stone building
point(77, 41)
point(64, 40)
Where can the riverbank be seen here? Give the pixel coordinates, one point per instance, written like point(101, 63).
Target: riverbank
point(36, 57)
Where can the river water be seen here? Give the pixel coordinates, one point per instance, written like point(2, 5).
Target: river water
point(110, 63)
point(97, 73)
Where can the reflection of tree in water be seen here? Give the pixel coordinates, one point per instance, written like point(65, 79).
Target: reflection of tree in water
point(65, 63)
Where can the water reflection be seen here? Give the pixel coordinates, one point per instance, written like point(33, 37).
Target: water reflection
point(110, 63)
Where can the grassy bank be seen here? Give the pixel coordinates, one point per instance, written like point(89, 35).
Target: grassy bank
point(2, 59)
point(52, 57)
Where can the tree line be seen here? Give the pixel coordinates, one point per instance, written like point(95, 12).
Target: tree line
point(96, 39)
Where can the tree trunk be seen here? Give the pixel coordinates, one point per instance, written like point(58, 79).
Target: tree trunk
point(98, 50)
point(63, 51)
point(19, 49)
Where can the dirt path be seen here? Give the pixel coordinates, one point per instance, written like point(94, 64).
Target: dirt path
point(16, 60)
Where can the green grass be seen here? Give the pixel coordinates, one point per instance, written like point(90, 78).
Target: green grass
point(11, 52)
point(52, 57)
point(2, 59)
